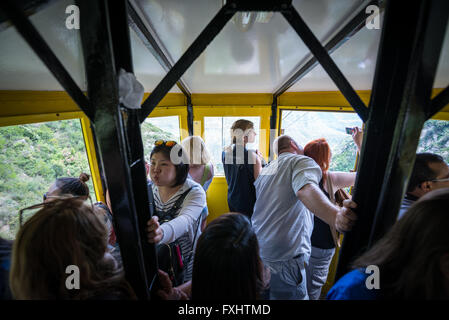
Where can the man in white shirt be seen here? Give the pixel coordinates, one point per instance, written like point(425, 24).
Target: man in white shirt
point(287, 192)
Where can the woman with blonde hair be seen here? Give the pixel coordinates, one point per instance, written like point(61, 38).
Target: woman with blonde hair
point(242, 167)
point(201, 169)
point(65, 232)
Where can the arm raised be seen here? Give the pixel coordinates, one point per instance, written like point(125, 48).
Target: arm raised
point(314, 199)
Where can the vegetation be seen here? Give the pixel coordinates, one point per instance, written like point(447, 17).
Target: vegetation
point(435, 138)
point(33, 156)
point(344, 157)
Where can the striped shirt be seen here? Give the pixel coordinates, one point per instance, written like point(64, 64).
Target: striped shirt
point(187, 222)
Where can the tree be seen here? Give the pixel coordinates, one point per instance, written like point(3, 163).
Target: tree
point(32, 156)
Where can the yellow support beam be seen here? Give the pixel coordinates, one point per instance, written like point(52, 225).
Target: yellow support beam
point(22, 102)
point(36, 118)
point(92, 158)
point(200, 112)
point(237, 99)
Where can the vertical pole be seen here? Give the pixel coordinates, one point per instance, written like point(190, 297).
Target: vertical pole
point(396, 114)
point(110, 134)
point(273, 121)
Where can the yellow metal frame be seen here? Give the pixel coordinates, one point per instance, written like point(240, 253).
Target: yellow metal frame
point(87, 136)
point(92, 158)
point(308, 108)
point(200, 112)
point(35, 118)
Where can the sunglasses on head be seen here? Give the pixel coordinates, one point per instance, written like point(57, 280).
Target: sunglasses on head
point(169, 143)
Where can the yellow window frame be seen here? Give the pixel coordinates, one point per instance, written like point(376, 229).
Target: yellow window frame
point(264, 112)
point(87, 136)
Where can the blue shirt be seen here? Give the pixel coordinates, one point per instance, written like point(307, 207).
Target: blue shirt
point(352, 286)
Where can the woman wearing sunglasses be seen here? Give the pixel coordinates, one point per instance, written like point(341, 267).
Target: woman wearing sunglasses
point(178, 201)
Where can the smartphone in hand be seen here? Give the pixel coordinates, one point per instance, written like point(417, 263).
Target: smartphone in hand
point(349, 130)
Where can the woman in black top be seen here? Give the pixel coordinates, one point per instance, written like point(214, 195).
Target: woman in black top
point(242, 167)
point(323, 239)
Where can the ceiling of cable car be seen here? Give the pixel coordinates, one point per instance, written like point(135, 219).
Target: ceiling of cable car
point(254, 53)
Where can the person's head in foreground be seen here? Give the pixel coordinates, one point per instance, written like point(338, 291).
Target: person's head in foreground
point(227, 264)
point(63, 240)
point(413, 257)
point(68, 186)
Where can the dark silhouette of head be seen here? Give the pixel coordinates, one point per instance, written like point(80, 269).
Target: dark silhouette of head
point(413, 257)
point(227, 264)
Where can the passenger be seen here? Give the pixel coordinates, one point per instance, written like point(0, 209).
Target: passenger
point(201, 169)
point(79, 188)
point(287, 193)
point(430, 172)
point(227, 264)
point(67, 185)
point(241, 167)
point(324, 238)
point(412, 258)
point(65, 232)
point(5, 263)
point(178, 201)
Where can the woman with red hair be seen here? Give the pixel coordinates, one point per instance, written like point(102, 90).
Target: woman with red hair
point(324, 239)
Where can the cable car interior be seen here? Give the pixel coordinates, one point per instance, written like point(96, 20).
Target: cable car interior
point(304, 68)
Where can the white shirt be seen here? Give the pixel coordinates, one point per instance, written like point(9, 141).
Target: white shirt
point(282, 223)
point(191, 209)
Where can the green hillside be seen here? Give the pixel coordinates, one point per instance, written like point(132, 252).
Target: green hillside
point(32, 156)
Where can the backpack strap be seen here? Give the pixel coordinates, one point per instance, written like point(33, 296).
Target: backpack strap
point(205, 174)
point(330, 190)
point(170, 214)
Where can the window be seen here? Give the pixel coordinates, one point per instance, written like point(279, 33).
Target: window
point(32, 156)
point(159, 128)
point(217, 135)
point(435, 138)
point(305, 126)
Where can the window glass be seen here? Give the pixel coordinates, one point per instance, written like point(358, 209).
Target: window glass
point(435, 138)
point(159, 128)
point(217, 135)
point(32, 156)
point(305, 126)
